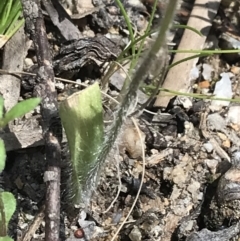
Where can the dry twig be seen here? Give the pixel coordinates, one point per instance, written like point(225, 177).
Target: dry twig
point(49, 109)
point(34, 225)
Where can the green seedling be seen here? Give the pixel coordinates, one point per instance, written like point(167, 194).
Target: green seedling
point(10, 19)
point(19, 110)
point(82, 119)
point(7, 200)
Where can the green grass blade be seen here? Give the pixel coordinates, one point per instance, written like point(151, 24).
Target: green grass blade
point(5, 14)
point(14, 27)
point(10, 21)
point(188, 58)
point(128, 22)
point(192, 95)
point(136, 57)
point(13, 15)
point(132, 44)
point(189, 28)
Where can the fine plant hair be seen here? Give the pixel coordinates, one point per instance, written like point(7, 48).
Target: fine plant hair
point(150, 62)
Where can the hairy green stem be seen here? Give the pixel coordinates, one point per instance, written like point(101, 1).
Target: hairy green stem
point(138, 77)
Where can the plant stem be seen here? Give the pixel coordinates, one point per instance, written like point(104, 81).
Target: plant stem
point(131, 91)
point(136, 58)
point(129, 26)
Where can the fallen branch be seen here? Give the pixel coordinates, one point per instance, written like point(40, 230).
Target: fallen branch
point(51, 123)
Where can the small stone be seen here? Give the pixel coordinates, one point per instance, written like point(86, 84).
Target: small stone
point(212, 165)
point(132, 142)
point(185, 101)
point(28, 63)
point(223, 89)
point(167, 172)
point(207, 72)
point(225, 141)
point(29, 115)
point(23, 226)
point(176, 192)
point(194, 73)
point(235, 69)
point(37, 109)
point(204, 84)
point(59, 86)
point(19, 183)
point(236, 158)
point(135, 234)
point(193, 187)
point(208, 147)
point(229, 42)
point(233, 115)
point(216, 122)
point(117, 217)
point(178, 175)
point(189, 226)
point(29, 217)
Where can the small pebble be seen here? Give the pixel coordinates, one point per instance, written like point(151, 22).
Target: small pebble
point(212, 165)
point(59, 86)
point(223, 89)
point(135, 234)
point(207, 72)
point(28, 63)
point(233, 115)
point(208, 147)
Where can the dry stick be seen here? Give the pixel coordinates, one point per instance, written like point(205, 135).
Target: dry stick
point(34, 225)
point(141, 183)
point(51, 123)
point(178, 77)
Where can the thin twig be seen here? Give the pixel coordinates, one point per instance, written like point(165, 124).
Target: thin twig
point(34, 225)
point(51, 124)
